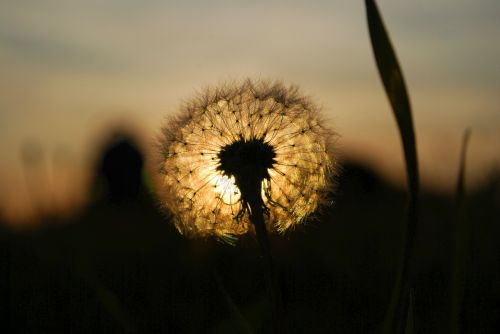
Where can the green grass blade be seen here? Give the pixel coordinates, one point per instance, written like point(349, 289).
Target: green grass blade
point(460, 243)
point(410, 322)
point(394, 84)
point(460, 192)
point(244, 327)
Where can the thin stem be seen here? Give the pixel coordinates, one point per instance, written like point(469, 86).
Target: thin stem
point(240, 319)
point(460, 243)
point(398, 308)
point(274, 290)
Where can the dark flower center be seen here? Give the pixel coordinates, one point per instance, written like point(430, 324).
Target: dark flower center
point(248, 161)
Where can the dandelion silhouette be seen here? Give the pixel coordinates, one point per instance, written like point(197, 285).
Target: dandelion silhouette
point(239, 152)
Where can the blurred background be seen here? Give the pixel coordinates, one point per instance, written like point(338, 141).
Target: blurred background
point(85, 87)
point(73, 69)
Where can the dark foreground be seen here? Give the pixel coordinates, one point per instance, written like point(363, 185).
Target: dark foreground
point(120, 267)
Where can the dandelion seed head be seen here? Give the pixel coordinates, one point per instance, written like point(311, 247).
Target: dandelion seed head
point(233, 136)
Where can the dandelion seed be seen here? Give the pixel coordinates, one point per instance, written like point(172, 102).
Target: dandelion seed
point(237, 142)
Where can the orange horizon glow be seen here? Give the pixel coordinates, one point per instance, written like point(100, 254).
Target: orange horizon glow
point(73, 71)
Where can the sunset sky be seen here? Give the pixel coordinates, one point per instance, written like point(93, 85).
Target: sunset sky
point(70, 70)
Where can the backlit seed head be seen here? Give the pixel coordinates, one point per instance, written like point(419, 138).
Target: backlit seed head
point(230, 139)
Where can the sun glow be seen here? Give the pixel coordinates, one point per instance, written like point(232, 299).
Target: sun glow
point(226, 190)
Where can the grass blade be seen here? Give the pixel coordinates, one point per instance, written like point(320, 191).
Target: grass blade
point(460, 243)
point(244, 327)
point(460, 192)
point(394, 84)
point(410, 320)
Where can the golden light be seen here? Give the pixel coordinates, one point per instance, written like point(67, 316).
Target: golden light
point(220, 140)
point(227, 190)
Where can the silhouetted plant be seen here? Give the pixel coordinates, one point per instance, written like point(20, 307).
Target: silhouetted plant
point(240, 153)
point(395, 88)
point(240, 148)
point(460, 242)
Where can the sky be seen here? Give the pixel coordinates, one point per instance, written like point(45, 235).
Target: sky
point(71, 71)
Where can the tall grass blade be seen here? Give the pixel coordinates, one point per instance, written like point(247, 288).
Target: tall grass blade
point(460, 242)
point(394, 84)
point(410, 320)
point(244, 327)
point(460, 192)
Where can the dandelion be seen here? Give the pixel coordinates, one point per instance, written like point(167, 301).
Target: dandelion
point(242, 151)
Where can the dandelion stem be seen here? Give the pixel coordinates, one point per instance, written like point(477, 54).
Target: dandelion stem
point(274, 290)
